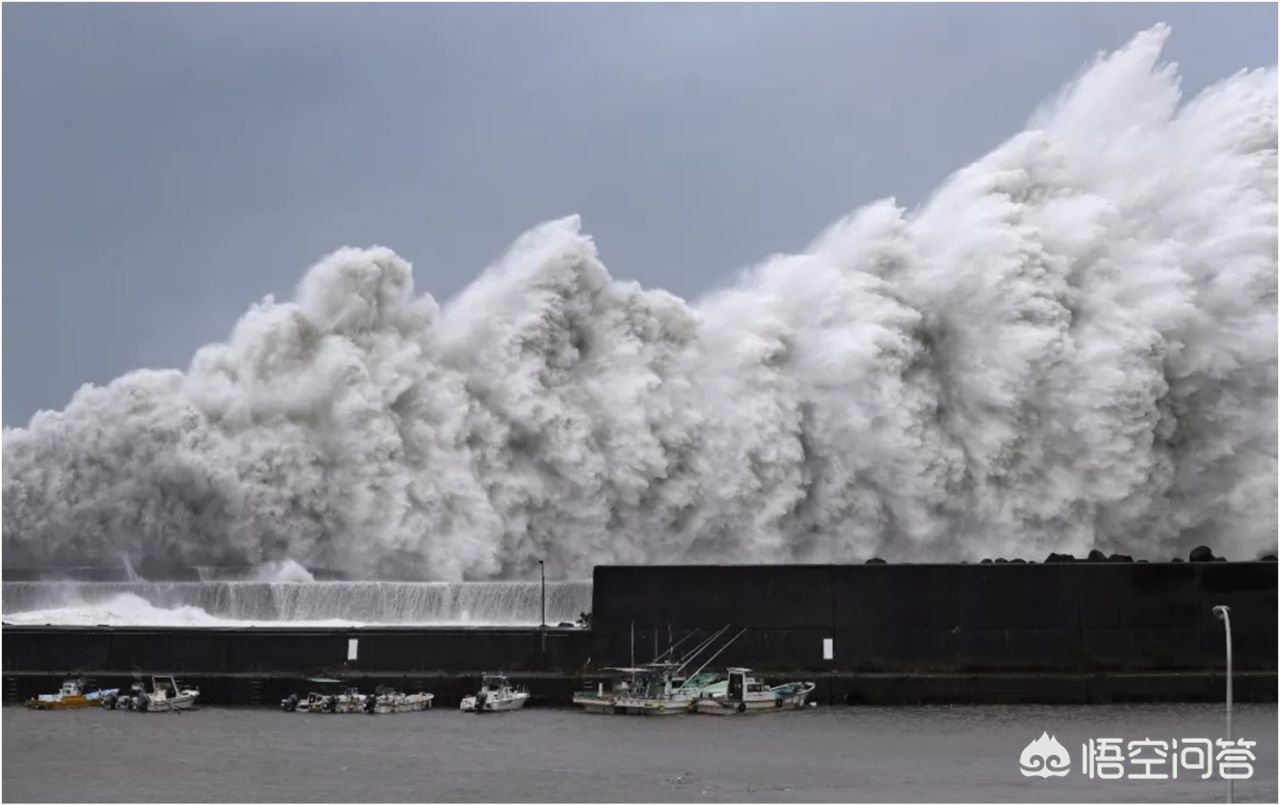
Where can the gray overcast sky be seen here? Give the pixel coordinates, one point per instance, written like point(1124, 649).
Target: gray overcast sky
point(165, 166)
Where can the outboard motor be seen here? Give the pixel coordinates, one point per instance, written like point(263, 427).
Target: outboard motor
point(481, 698)
point(370, 703)
point(290, 704)
point(140, 702)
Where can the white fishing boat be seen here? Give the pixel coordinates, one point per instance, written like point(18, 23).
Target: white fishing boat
point(743, 693)
point(496, 695)
point(659, 688)
point(655, 690)
point(386, 700)
point(331, 697)
point(166, 696)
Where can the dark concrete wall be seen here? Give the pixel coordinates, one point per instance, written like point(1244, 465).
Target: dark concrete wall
point(988, 617)
point(289, 651)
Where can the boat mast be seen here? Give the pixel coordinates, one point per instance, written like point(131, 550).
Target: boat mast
point(671, 648)
point(701, 647)
point(713, 656)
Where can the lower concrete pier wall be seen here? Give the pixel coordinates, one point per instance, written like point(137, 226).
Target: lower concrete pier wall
point(276, 651)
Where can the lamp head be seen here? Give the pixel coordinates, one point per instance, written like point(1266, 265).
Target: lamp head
point(1220, 611)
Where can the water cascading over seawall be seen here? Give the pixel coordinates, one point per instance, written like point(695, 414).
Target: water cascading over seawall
point(1071, 345)
point(224, 603)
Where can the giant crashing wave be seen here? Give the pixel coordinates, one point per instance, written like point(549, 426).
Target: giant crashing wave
point(1071, 345)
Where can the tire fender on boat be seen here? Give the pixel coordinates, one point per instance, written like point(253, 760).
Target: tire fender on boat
point(742, 707)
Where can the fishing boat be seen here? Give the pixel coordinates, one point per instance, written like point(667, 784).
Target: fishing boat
point(331, 697)
point(743, 693)
point(601, 700)
point(71, 696)
point(166, 696)
point(657, 688)
point(496, 695)
point(387, 700)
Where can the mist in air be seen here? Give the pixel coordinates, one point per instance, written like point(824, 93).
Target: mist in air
point(1071, 345)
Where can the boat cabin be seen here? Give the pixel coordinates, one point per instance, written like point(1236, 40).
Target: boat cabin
point(164, 687)
point(71, 687)
point(743, 686)
point(492, 683)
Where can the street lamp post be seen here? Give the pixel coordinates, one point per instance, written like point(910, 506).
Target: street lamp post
point(1223, 613)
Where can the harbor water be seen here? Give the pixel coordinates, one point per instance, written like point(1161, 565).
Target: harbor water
point(909, 754)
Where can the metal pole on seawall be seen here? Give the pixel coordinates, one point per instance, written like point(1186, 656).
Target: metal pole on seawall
point(1223, 613)
point(542, 571)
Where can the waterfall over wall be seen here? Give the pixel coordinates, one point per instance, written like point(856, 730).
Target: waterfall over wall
point(506, 603)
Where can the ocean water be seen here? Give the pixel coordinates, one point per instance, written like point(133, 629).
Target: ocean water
point(850, 754)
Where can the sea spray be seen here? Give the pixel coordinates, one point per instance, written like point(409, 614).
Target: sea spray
point(1071, 345)
point(227, 603)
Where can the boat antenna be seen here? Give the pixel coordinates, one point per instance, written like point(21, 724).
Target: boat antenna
point(671, 648)
point(713, 656)
point(701, 647)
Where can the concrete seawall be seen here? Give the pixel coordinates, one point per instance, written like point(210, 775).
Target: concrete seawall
point(1068, 617)
point(901, 634)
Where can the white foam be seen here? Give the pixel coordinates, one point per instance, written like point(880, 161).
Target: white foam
point(1071, 345)
point(251, 603)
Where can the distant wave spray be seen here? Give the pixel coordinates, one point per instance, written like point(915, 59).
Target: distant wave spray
point(1071, 345)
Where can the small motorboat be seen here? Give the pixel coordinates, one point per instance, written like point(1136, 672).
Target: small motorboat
point(71, 696)
point(743, 693)
point(124, 701)
point(496, 696)
point(387, 700)
point(331, 697)
point(166, 696)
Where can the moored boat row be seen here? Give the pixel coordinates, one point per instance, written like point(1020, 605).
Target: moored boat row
point(664, 686)
point(330, 696)
point(653, 689)
point(166, 695)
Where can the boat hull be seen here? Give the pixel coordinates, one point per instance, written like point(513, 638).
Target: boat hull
point(719, 706)
point(168, 705)
point(65, 703)
point(406, 704)
point(593, 704)
point(505, 705)
point(652, 707)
